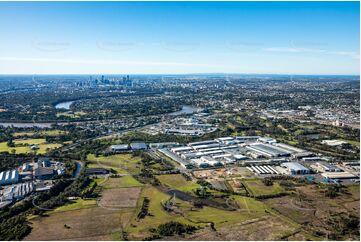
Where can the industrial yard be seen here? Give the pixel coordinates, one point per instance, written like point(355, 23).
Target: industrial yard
point(261, 156)
point(27, 179)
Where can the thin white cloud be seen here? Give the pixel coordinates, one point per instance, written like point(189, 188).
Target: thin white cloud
point(293, 50)
point(351, 54)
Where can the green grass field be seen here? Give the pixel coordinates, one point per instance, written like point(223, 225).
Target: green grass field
point(354, 143)
point(177, 181)
point(22, 146)
point(138, 229)
point(75, 205)
point(41, 133)
point(71, 115)
point(257, 188)
point(121, 182)
point(119, 162)
point(29, 141)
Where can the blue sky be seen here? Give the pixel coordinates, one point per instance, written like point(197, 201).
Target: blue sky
point(179, 37)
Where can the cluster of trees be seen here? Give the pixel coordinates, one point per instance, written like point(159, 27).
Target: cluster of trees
point(137, 135)
point(146, 175)
point(5, 134)
point(10, 161)
point(344, 225)
point(89, 192)
point(144, 210)
point(174, 228)
point(334, 190)
point(267, 181)
point(59, 195)
point(186, 176)
point(13, 224)
point(202, 192)
point(13, 228)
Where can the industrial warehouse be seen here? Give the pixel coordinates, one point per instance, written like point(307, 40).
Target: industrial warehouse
point(30, 177)
point(262, 156)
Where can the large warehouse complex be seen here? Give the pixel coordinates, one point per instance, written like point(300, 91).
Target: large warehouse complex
point(260, 155)
point(28, 178)
point(228, 150)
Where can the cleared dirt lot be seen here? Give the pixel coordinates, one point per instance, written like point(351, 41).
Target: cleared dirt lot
point(120, 197)
point(84, 224)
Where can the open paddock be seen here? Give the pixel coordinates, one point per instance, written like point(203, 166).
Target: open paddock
point(84, 224)
point(125, 163)
point(22, 146)
point(256, 188)
point(120, 198)
point(310, 207)
point(252, 229)
point(177, 181)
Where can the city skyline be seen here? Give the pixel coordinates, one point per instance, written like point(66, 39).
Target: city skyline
point(180, 37)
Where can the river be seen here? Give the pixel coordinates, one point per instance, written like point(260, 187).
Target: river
point(26, 125)
point(185, 110)
point(64, 105)
point(78, 169)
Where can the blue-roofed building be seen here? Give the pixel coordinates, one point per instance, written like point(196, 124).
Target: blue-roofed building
point(138, 146)
point(295, 168)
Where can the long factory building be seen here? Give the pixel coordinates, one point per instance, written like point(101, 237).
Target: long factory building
point(228, 150)
point(9, 177)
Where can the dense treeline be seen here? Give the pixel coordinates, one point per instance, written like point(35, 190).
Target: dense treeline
point(10, 161)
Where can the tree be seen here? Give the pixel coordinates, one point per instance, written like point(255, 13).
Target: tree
point(268, 181)
point(11, 143)
point(332, 191)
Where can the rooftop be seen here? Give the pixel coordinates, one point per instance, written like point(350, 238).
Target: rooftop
point(294, 166)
